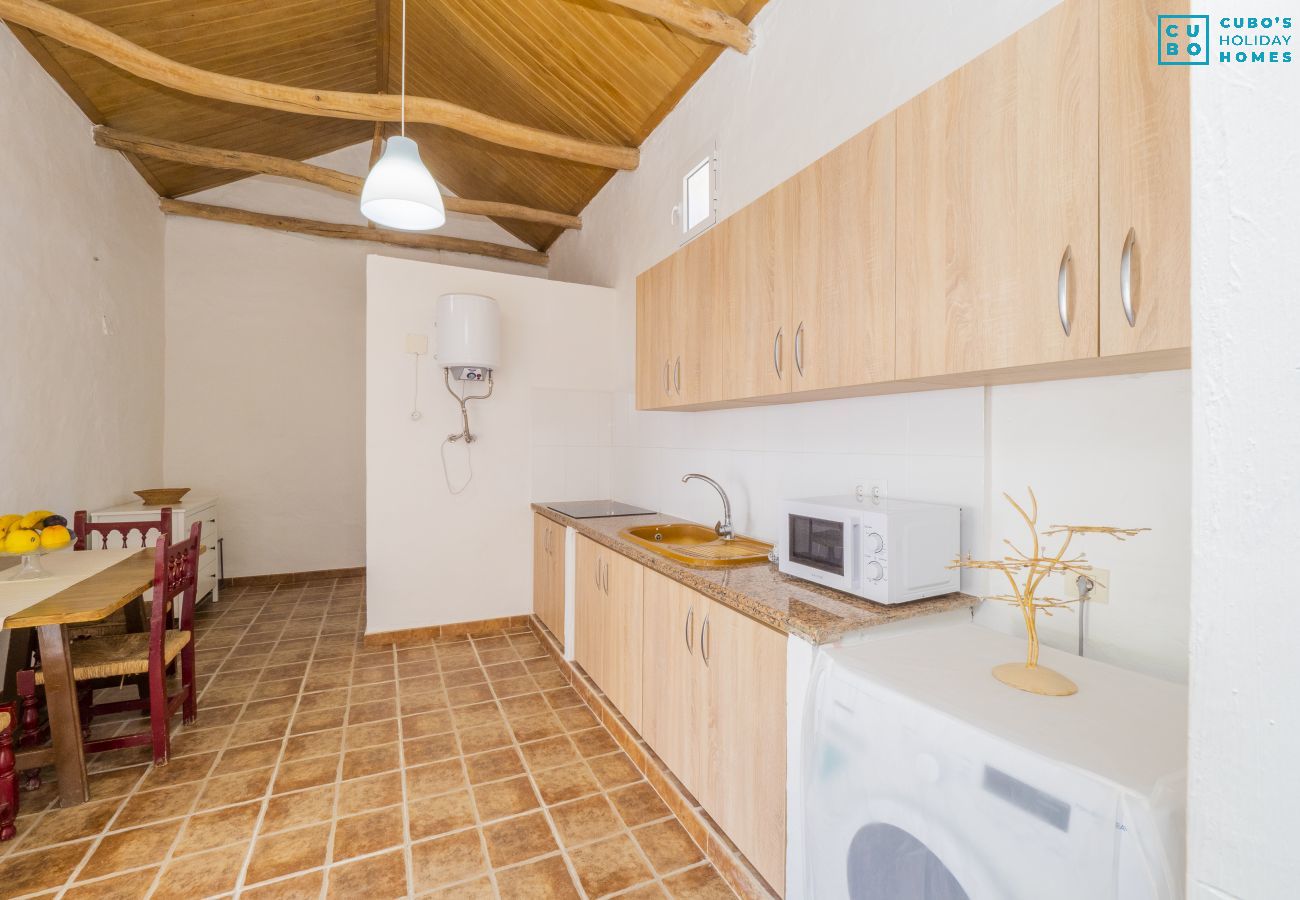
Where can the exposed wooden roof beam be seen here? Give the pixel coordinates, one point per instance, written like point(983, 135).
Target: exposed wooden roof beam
point(117, 51)
point(700, 21)
point(312, 227)
point(342, 182)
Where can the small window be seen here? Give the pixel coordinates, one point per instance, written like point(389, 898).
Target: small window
point(699, 207)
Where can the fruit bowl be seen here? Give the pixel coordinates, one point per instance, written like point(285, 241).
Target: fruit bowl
point(30, 568)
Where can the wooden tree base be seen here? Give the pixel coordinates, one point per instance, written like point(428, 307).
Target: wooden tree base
point(1038, 680)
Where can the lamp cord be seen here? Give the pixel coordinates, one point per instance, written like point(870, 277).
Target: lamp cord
point(403, 68)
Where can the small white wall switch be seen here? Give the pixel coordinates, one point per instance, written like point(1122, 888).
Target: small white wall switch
point(417, 343)
point(1100, 586)
point(872, 492)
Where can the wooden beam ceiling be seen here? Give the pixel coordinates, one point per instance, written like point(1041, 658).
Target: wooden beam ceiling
point(703, 22)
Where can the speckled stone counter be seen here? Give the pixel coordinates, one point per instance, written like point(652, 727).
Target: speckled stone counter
point(790, 605)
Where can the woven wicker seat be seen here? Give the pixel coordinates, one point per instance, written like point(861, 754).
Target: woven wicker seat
point(118, 654)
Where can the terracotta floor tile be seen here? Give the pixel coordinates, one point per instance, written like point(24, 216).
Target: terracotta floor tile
point(524, 705)
point(379, 877)
point(362, 713)
point(201, 874)
point(250, 756)
point(219, 827)
point(667, 845)
point(515, 840)
point(335, 699)
point(444, 813)
point(268, 709)
point(285, 811)
point(586, 820)
point(468, 694)
point(152, 806)
point(261, 730)
point(434, 778)
point(608, 866)
point(595, 742)
point(370, 761)
point(188, 741)
point(614, 770)
point(317, 720)
point(430, 749)
point(233, 789)
point(126, 849)
point(545, 879)
point(371, 692)
point(565, 783)
point(465, 676)
point(286, 687)
point(536, 728)
point(549, 753)
point(60, 825)
point(511, 687)
point(514, 669)
point(319, 743)
point(563, 698)
point(306, 773)
point(504, 798)
point(701, 883)
point(494, 765)
point(24, 873)
point(484, 737)
point(287, 851)
point(639, 804)
point(444, 860)
point(650, 891)
point(477, 715)
point(367, 833)
point(361, 794)
point(370, 734)
point(426, 724)
point(299, 887)
point(121, 887)
point(576, 718)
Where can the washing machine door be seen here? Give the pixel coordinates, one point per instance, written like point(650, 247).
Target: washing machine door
point(887, 863)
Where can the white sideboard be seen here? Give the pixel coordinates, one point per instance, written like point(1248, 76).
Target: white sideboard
point(192, 508)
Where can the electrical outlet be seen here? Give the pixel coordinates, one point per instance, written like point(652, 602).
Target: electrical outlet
point(1100, 586)
point(872, 492)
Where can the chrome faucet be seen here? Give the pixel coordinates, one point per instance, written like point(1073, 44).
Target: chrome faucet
point(723, 528)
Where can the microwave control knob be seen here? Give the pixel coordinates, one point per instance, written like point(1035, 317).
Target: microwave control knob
point(875, 571)
point(875, 543)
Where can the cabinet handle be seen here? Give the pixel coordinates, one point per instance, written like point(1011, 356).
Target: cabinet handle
point(776, 351)
point(798, 349)
point(705, 631)
point(668, 385)
point(597, 572)
point(606, 579)
point(1063, 291)
point(690, 629)
point(1126, 277)
point(677, 376)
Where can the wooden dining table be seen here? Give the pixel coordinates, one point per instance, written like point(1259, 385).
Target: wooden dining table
point(83, 586)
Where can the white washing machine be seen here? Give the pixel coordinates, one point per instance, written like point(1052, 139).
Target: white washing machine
point(927, 779)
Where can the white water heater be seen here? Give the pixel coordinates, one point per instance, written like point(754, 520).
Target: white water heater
point(468, 329)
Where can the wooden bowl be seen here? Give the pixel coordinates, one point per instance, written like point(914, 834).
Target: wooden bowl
point(162, 496)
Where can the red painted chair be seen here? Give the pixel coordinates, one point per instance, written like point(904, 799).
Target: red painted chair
point(8, 784)
point(149, 654)
point(83, 529)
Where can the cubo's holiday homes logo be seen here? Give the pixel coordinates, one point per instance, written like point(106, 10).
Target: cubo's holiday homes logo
point(1185, 40)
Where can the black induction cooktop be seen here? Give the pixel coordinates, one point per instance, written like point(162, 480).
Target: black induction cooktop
point(598, 509)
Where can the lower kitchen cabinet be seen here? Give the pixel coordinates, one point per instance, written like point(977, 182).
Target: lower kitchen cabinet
point(548, 574)
point(673, 710)
point(608, 624)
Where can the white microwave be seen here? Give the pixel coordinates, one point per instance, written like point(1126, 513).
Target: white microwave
point(891, 552)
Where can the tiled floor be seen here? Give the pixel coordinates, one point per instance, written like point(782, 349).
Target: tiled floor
point(319, 768)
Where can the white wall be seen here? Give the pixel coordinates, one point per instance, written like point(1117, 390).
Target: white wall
point(433, 557)
point(266, 370)
point(80, 239)
point(822, 71)
point(1244, 780)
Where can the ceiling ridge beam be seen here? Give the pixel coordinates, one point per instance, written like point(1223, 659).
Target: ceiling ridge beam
point(702, 22)
point(261, 164)
point(88, 37)
point(315, 228)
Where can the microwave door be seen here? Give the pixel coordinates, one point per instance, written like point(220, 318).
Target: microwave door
point(822, 549)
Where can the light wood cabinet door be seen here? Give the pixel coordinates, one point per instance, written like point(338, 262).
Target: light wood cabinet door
point(621, 667)
point(548, 574)
point(655, 334)
point(673, 720)
point(589, 609)
point(745, 774)
point(997, 205)
point(840, 243)
point(1145, 155)
point(755, 325)
point(697, 363)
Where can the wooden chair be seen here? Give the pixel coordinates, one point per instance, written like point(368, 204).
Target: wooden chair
point(149, 653)
point(131, 618)
point(8, 783)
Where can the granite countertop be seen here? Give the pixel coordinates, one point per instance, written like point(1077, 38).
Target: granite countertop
point(790, 605)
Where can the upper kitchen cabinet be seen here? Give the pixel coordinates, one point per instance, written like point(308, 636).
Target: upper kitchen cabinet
point(837, 237)
point(755, 331)
point(654, 334)
point(997, 211)
point(1145, 169)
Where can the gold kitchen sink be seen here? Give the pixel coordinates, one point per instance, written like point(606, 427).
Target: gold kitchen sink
point(698, 545)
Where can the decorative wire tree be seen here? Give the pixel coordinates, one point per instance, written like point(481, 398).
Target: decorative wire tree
point(1031, 568)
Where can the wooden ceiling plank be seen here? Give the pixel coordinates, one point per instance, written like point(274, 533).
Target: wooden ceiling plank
point(699, 21)
point(90, 38)
point(351, 232)
point(344, 183)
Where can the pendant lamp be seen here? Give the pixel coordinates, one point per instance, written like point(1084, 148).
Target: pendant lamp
point(399, 191)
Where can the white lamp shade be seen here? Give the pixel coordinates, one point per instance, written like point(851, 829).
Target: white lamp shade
point(399, 191)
